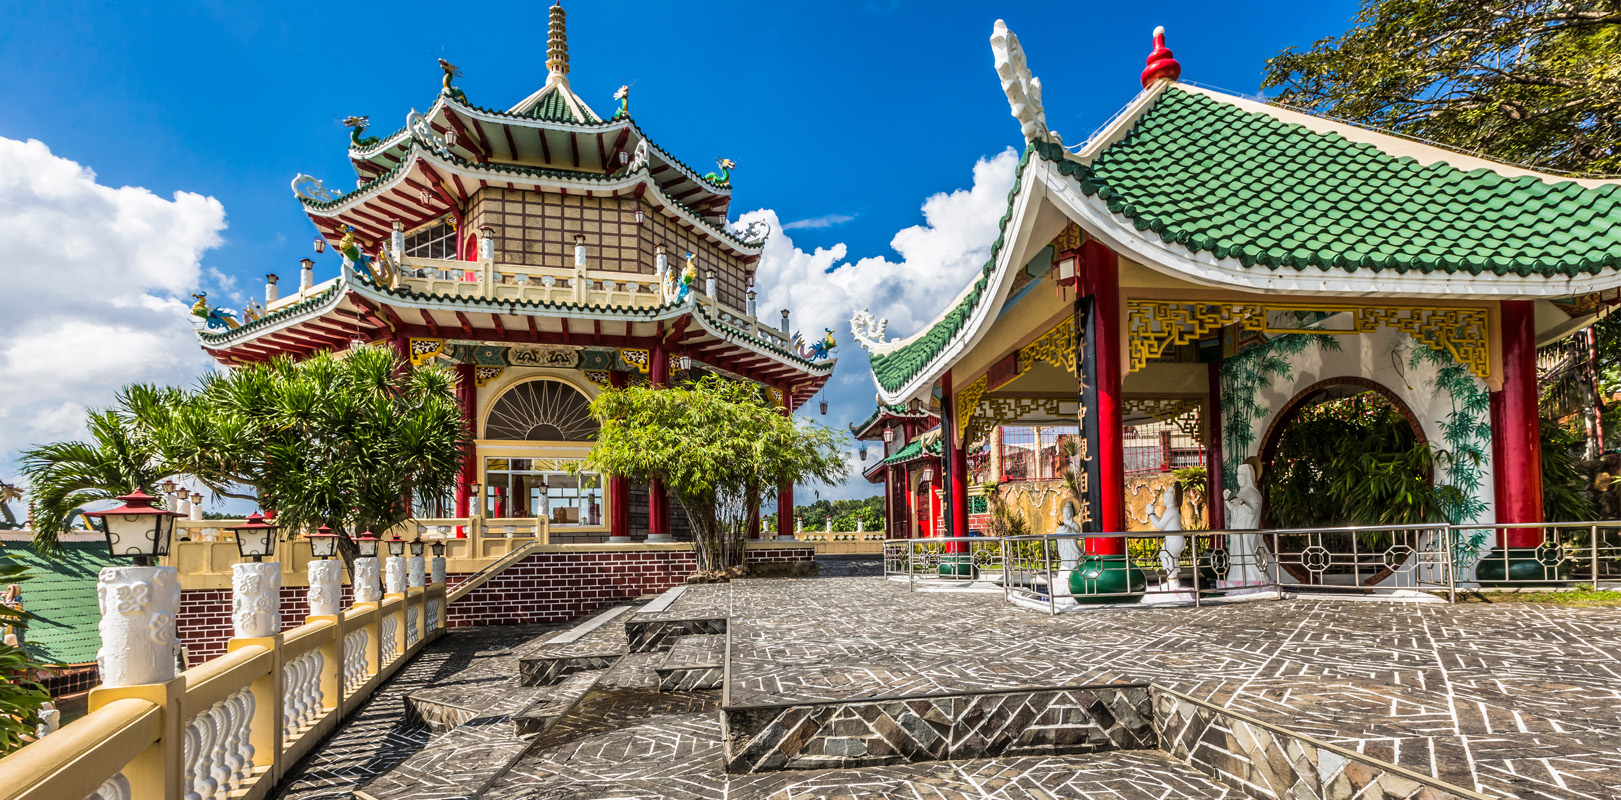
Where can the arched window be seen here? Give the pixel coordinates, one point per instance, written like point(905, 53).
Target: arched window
point(542, 411)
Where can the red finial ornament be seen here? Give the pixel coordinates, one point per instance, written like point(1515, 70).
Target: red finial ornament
point(1160, 62)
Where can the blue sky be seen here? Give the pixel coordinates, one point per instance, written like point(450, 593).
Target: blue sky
point(842, 117)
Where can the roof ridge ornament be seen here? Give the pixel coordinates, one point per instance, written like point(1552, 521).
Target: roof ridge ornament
point(451, 73)
point(423, 131)
point(557, 44)
point(1160, 63)
point(868, 330)
point(1023, 90)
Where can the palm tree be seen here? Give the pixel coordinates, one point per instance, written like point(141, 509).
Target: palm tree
point(64, 477)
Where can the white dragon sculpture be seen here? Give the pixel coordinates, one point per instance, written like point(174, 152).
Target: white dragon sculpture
point(1023, 89)
point(868, 330)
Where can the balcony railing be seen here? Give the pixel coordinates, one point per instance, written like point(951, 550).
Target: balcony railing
point(232, 726)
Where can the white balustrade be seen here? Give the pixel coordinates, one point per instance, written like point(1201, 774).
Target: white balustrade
point(354, 660)
point(218, 755)
point(389, 646)
point(411, 626)
point(433, 605)
point(114, 788)
point(302, 699)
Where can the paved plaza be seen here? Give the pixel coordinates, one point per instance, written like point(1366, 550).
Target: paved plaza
point(1508, 700)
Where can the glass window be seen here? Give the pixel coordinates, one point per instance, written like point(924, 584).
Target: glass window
point(513, 489)
point(434, 241)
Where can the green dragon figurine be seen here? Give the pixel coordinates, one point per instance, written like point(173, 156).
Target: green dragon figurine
point(215, 317)
point(725, 176)
point(357, 126)
point(450, 73)
point(623, 96)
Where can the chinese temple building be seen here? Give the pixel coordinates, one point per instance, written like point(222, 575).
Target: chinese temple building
point(545, 251)
point(1171, 290)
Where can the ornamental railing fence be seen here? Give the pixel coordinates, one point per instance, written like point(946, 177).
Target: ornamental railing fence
point(232, 726)
point(1198, 566)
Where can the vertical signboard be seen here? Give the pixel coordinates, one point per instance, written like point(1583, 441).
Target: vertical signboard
point(1090, 514)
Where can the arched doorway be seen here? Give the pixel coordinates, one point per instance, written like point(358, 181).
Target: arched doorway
point(1346, 452)
point(534, 433)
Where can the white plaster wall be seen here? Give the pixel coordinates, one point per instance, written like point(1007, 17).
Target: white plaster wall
point(1369, 356)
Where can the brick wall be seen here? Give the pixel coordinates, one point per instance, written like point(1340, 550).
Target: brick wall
point(545, 587)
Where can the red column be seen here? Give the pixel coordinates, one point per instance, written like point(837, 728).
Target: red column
point(467, 395)
point(658, 500)
point(1103, 284)
point(955, 462)
point(785, 492)
point(1215, 482)
point(1516, 434)
point(618, 488)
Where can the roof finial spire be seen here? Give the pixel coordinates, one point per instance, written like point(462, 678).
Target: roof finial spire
point(1160, 62)
point(557, 43)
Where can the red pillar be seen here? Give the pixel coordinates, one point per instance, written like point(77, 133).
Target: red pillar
point(785, 492)
point(1215, 482)
point(658, 500)
point(1102, 279)
point(1516, 433)
point(467, 395)
point(618, 488)
point(955, 462)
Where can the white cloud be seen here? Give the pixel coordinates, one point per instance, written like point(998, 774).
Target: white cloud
point(824, 221)
point(94, 284)
point(937, 259)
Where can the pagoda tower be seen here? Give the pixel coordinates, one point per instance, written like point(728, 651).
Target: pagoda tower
point(546, 252)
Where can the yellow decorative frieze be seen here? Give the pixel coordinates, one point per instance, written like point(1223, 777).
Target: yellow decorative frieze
point(1155, 326)
point(1186, 413)
point(424, 349)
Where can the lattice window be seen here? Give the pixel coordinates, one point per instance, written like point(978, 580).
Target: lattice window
point(1034, 454)
point(434, 241)
point(542, 411)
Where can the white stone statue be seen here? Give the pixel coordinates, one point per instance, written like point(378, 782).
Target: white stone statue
point(138, 606)
point(1170, 555)
point(1069, 550)
point(50, 719)
point(255, 600)
point(394, 575)
point(365, 580)
point(326, 588)
point(1244, 514)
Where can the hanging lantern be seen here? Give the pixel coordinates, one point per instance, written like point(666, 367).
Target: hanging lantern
point(684, 363)
point(863, 452)
point(423, 196)
point(357, 342)
point(323, 543)
point(255, 538)
point(320, 245)
point(823, 406)
point(928, 475)
point(450, 138)
point(641, 216)
point(624, 158)
point(889, 435)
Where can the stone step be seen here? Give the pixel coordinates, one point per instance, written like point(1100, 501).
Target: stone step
point(551, 670)
point(693, 663)
point(538, 717)
point(649, 633)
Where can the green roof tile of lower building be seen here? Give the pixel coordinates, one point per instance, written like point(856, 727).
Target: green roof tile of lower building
point(60, 593)
point(912, 451)
point(1242, 184)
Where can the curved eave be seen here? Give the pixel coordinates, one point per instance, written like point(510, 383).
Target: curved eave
point(489, 136)
point(871, 428)
point(396, 195)
point(1201, 267)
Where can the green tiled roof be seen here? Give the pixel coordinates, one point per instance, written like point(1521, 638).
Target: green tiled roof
point(60, 593)
point(1245, 185)
point(553, 107)
point(913, 451)
point(1239, 184)
point(885, 409)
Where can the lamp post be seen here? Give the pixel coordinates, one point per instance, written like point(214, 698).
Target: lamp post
point(415, 566)
point(138, 602)
point(394, 567)
point(196, 509)
point(255, 585)
point(326, 585)
point(438, 575)
point(366, 569)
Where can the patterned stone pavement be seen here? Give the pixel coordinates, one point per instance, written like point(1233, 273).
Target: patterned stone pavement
point(1510, 700)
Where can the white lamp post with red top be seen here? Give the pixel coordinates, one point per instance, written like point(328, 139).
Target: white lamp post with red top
point(138, 602)
point(256, 584)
